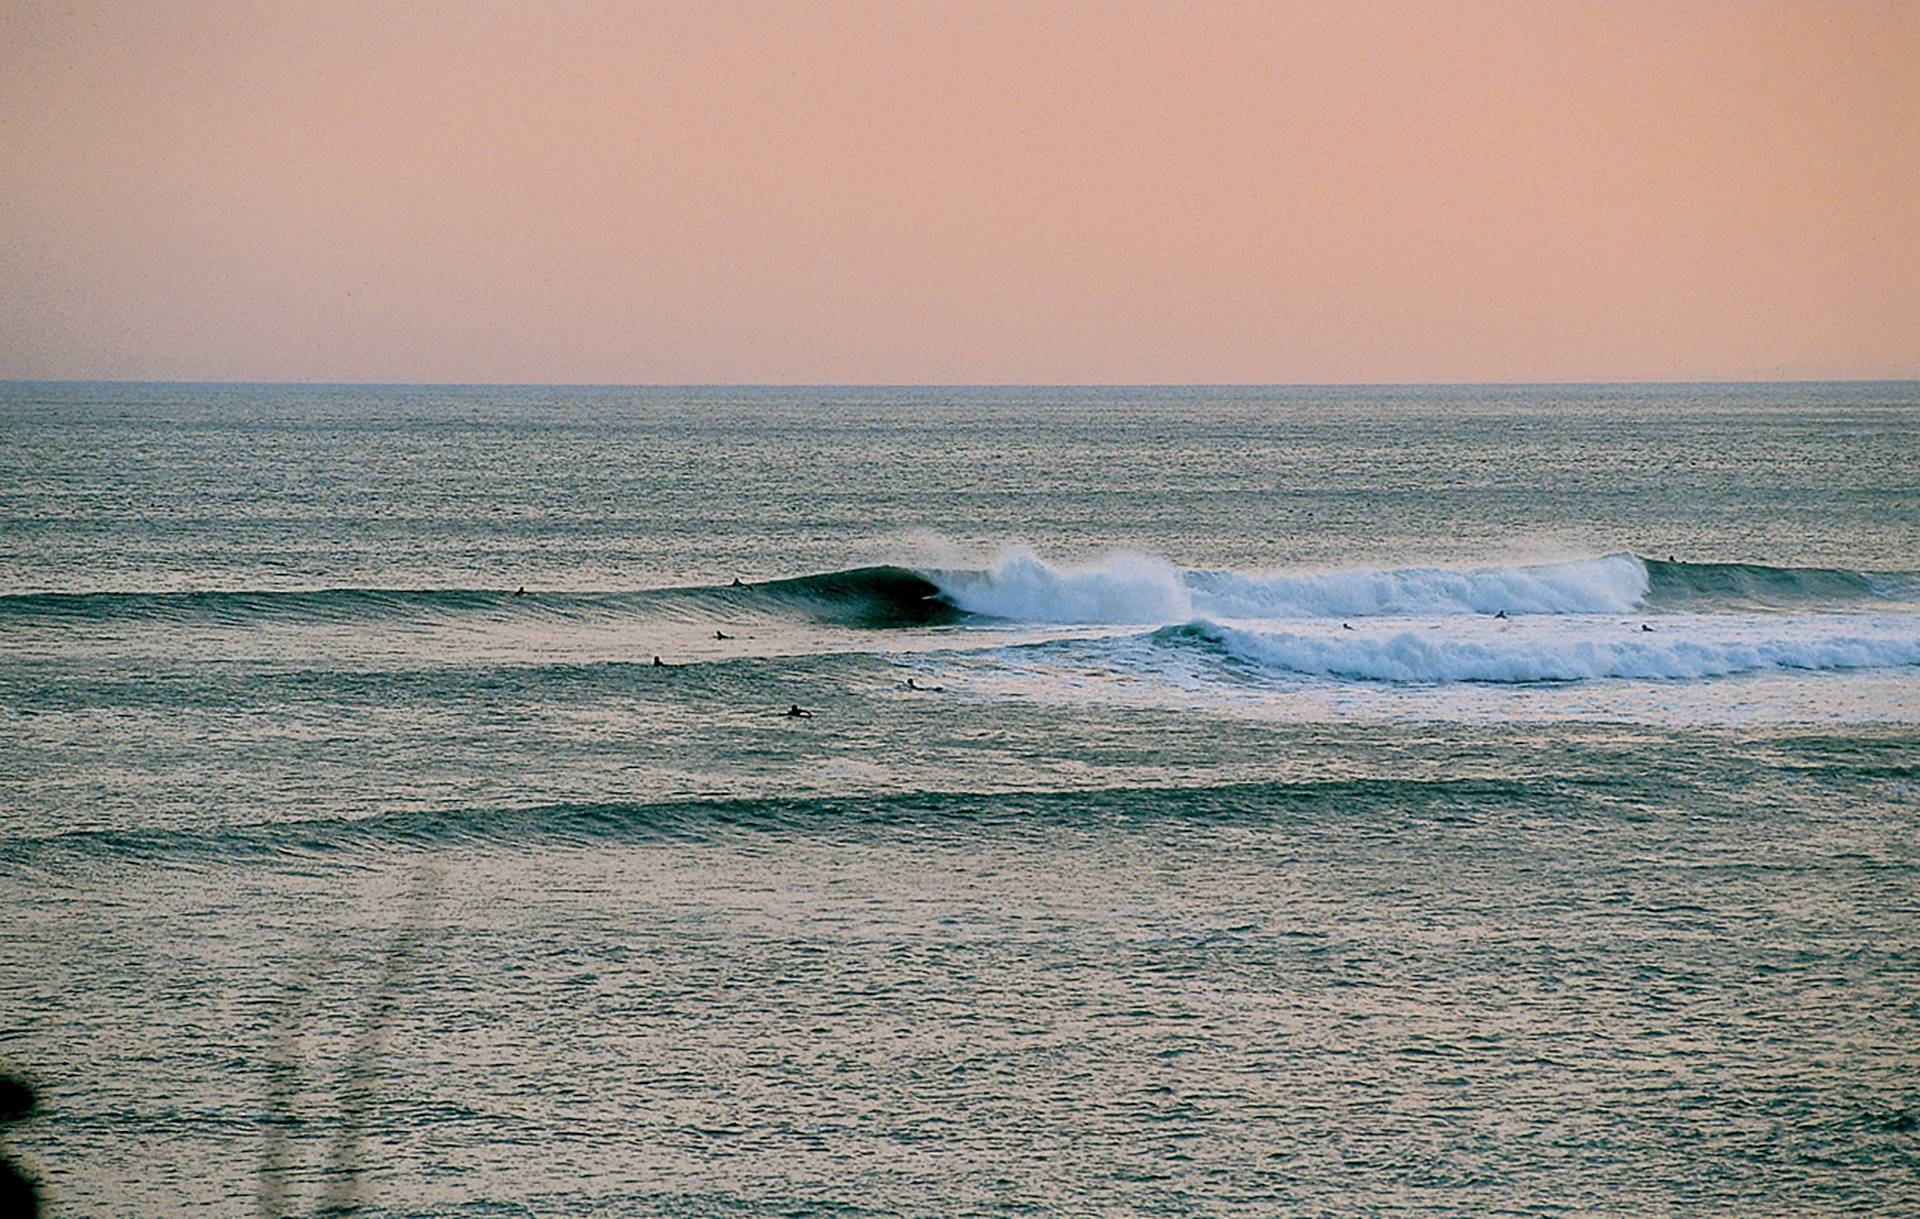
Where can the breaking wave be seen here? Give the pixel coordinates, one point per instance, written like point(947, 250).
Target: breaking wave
point(1412, 657)
point(1123, 588)
point(1132, 588)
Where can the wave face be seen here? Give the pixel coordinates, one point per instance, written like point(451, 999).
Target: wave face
point(862, 597)
point(1675, 584)
point(1411, 657)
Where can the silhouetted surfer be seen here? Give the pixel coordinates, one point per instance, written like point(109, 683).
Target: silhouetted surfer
point(914, 685)
point(795, 713)
point(521, 591)
point(658, 663)
point(736, 583)
point(1346, 626)
point(1501, 614)
point(1645, 627)
point(721, 635)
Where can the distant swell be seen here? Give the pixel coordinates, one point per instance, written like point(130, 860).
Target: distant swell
point(1414, 657)
point(582, 823)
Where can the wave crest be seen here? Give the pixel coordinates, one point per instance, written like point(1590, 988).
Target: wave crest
point(1135, 588)
point(1123, 588)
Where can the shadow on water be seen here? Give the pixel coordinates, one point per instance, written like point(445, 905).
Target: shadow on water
point(359, 1090)
point(19, 1195)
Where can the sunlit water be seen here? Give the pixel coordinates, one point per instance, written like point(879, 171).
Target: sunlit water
point(1419, 801)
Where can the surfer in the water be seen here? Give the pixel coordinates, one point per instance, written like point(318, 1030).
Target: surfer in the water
point(736, 583)
point(914, 685)
point(796, 713)
point(1501, 614)
point(659, 663)
point(1645, 627)
point(721, 635)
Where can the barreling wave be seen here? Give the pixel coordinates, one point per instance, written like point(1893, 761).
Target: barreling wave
point(1417, 658)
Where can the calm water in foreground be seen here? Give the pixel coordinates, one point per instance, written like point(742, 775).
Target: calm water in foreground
point(1215, 802)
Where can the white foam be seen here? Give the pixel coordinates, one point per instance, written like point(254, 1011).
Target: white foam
point(1411, 657)
point(1134, 588)
point(1122, 588)
point(1612, 584)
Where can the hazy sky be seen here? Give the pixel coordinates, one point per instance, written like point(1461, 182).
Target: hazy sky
point(918, 192)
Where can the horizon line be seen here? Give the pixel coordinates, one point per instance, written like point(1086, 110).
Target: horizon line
point(958, 385)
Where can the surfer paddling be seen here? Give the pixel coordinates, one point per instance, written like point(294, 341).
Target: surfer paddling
point(796, 712)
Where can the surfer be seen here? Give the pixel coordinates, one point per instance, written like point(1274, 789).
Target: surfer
point(721, 635)
point(795, 713)
point(1646, 628)
point(1346, 626)
point(659, 663)
point(736, 583)
point(521, 591)
point(1501, 614)
point(914, 685)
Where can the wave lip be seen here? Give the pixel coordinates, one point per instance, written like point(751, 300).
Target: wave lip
point(1408, 657)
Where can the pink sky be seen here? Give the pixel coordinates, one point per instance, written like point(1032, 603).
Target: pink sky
point(915, 192)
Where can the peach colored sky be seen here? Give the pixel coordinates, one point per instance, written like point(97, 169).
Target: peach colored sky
point(920, 192)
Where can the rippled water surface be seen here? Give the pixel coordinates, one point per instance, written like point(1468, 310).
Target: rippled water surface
point(1254, 802)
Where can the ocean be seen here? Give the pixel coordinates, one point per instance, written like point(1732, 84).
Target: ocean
point(1461, 801)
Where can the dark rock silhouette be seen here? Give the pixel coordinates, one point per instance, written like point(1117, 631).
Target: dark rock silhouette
point(19, 1194)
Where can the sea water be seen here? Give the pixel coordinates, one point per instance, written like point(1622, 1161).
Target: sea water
point(1434, 801)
